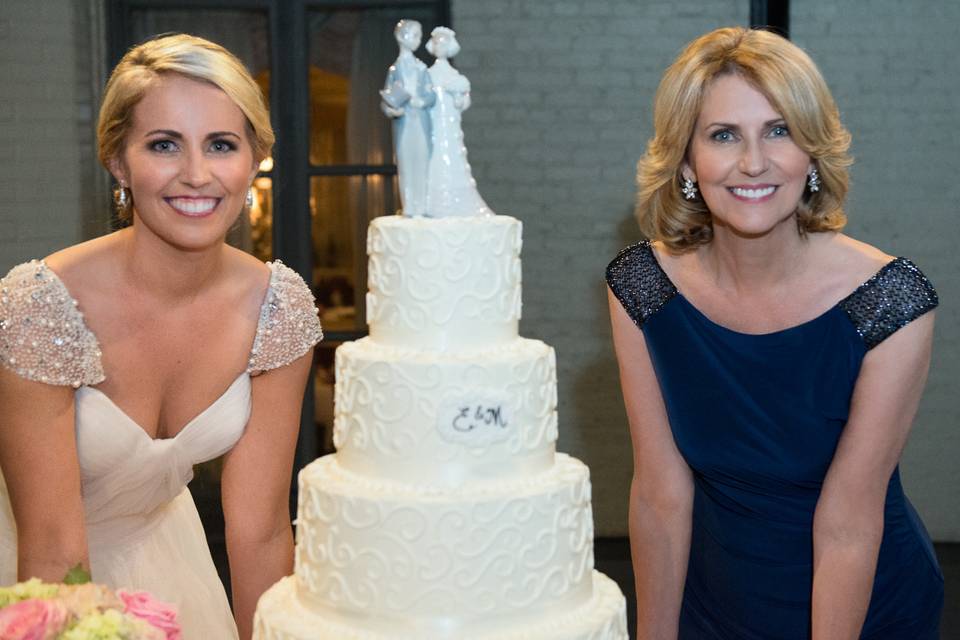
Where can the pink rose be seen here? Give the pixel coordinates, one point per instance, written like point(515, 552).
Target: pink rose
point(158, 614)
point(32, 620)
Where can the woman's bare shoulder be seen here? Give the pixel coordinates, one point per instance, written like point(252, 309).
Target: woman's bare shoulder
point(853, 260)
point(79, 255)
point(678, 265)
point(88, 264)
point(247, 276)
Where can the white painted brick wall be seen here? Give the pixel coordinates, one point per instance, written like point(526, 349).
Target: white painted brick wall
point(892, 68)
point(562, 95)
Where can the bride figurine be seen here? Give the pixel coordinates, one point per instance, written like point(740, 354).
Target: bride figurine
point(451, 189)
point(406, 96)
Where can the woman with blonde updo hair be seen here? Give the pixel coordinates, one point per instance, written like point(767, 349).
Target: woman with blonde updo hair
point(771, 367)
point(128, 359)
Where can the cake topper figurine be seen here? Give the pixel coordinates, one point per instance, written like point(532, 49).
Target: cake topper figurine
point(452, 191)
point(406, 96)
point(431, 155)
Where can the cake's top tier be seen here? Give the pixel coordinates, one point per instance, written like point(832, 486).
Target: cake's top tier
point(447, 283)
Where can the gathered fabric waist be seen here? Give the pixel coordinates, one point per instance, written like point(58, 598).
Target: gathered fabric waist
point(122, 530)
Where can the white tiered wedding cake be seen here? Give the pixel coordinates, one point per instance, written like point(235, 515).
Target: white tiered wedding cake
point(446, 512)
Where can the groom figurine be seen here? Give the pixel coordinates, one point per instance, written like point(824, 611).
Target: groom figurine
point(406, 98)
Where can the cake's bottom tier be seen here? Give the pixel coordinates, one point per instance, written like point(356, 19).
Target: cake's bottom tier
point(520, 547)
point(282, 616)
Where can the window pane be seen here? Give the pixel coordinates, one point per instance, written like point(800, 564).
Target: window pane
point(341, 207)
point(350, 51)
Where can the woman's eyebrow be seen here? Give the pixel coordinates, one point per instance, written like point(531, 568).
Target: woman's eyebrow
point(729, 125)
point(170, 133)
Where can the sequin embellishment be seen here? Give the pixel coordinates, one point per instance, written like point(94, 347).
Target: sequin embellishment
point(895, 296)
point(42, 333)
point(639, 282)
point(288, 324)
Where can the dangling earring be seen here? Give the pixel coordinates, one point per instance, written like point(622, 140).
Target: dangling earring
point(121, 198)
point(813, 181)
point(689, 189)
point(250, 197)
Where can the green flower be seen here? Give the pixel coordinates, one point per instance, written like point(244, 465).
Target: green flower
point(32, 588)
point(77, 575)
point(109, 625)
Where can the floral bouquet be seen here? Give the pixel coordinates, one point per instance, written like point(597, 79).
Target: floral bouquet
point(80, 610)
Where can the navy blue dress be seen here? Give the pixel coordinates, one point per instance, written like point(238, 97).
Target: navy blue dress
point(757, 418)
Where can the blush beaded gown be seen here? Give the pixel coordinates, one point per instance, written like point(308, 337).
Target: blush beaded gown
point(143, 530)
point(757, 418)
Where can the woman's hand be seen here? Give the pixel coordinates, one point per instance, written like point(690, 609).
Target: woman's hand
point(38, 456)
point(256, 488)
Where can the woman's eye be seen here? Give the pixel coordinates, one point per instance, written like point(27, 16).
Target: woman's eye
point(163, 146)
point(222, 146)
point(723, 135)
point(779, 131)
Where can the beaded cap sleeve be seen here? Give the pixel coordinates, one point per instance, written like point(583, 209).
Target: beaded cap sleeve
point(288, 325)
point(42, 333)
point(895, 296)
point(639, 283)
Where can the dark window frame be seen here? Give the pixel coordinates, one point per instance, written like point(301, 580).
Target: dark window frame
point(771, 14)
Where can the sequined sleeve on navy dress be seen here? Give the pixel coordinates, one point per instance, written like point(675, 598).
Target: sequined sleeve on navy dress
point(757, 418)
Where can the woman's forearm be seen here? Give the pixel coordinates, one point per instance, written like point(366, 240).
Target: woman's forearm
point(51, 561)
point(843, 570)
point(660, 547)
point(50, 548)
point(254, 566)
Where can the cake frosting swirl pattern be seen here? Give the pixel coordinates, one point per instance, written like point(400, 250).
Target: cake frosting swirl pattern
point(400, 412)
point(390, 550)
point(448, 283)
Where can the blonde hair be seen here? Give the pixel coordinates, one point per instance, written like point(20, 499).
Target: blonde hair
point(191, 57)
point(788, 78)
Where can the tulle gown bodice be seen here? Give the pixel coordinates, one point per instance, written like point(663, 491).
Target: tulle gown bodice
point(127, 475)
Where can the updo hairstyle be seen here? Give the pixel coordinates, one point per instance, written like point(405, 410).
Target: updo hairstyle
point(188, 56)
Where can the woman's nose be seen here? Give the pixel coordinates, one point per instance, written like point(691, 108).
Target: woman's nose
point(753, 160)
point(195, 171)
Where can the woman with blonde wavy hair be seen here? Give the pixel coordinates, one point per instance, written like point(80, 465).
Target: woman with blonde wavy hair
point(127, 359)
point(771, 367)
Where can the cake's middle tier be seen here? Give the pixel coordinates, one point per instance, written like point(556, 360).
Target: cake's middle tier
point(443, 283)
point(445, 418)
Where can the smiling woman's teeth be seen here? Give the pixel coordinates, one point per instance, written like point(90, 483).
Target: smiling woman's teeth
point(752, 193)
point(194, 205)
